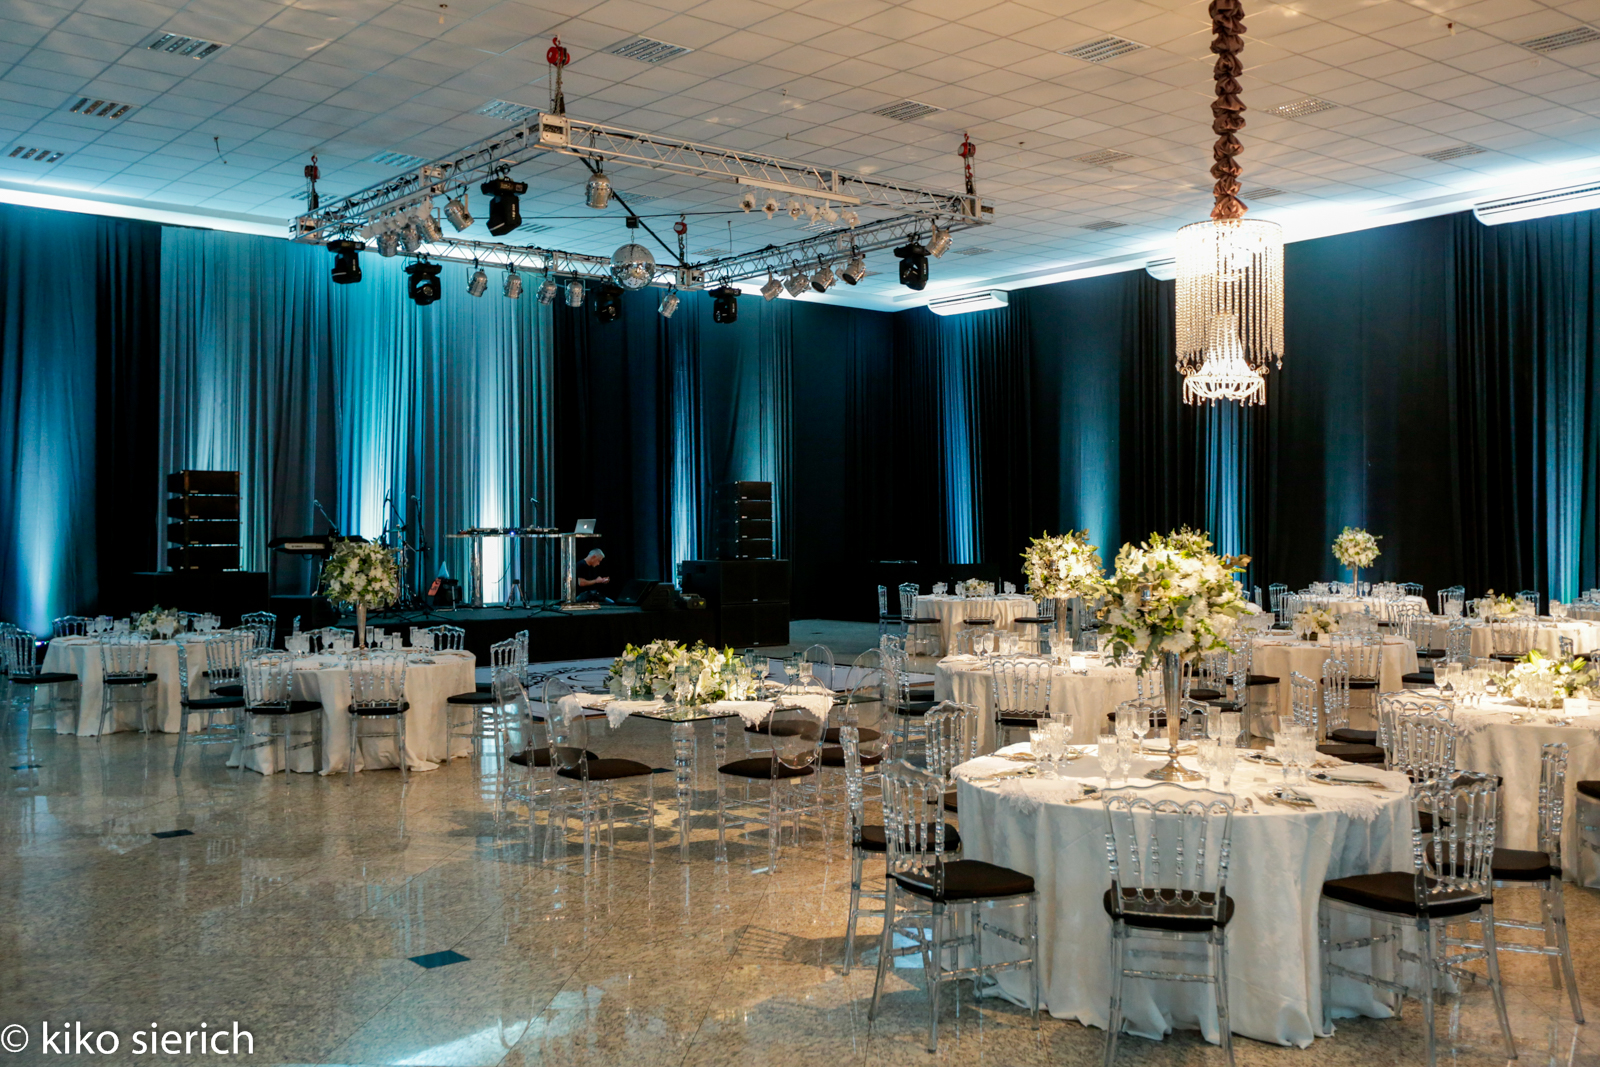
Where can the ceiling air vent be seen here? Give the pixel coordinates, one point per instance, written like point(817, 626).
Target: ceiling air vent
point(1458, 151)
point(648, 50)
point(1555, 42)
point(509, 111)
point(1101, 225)
point(973, 251)
point(1106, 48)
point(906, 110)
point(398, 159)
point(1299, 109)
point(175, 44)
point(1103, 158)
point(91, 107)
point(34, 155)
point(1260, 194)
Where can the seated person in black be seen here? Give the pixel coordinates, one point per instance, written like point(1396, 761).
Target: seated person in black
point(592, 577)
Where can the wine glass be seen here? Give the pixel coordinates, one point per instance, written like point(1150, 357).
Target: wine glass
point(1141, 723)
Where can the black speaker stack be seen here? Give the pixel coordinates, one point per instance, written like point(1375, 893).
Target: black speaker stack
point(203, 520)
point(742, 517)
point(750, 597)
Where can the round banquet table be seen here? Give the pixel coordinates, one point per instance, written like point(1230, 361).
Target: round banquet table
point(1280, 858)
point(1584, 634)
point(1278, 656)
point(1504, 738)
point(81, 656)
point(1005, 610)
point(1378, 607)
point(1088, 697)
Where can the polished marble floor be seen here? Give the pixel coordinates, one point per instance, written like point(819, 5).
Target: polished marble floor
point(294, 907)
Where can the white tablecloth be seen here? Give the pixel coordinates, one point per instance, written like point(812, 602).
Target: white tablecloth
point(1280, 858)
point(1087, 697)
point(1585, 636)
point(1278, 656)
point(81, 656)
point(950, 611)
point(1378, 607)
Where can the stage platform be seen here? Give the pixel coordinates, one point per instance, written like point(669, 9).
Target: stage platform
point(554, 634)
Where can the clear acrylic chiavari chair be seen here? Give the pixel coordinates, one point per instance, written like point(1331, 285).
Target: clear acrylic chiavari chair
point(219, 715)
point(377, 692)
point(25, 676)
point(475, 715)
point(594, 780)
point(1455, 595)
point(70, 626)
point(906, 705)
point(268, 702)
point(863, 740)
point(1019, 687)
point(1450, 881)
point(1512, 637)
point(928, 894)
point(1167, 847)
point(225, 652)
point(263, 624)
point(796, 737)
point(125, 667)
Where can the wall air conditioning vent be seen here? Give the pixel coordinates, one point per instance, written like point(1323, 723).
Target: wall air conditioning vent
point(962, 303)
point(1585, 197)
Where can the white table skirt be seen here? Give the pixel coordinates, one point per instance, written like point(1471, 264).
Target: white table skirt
point(1378, 607)
point(1585, 636)
point(81, 656)
point(1005, 610)
point(1280, 858)
point(1279, 657)
point(1087, 698)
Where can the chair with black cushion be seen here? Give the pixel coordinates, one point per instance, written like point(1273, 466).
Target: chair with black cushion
point(591, 781)
point(263, 624)
point(473, 715)
point(272, 717)
point(70, 626)
point(1452, 595)
point(1207, 679)
point(928, 894)
point(888, 621)
point(377, 693)
point(1422, 631)
point(1512, 637)
point(907, 704)
point(26, 676)
point(1541, 867)
point(1360, 654)
point(125, 668)
point(796, 736)
point(1451, 880)
point(1168, 851)
point(448, 638)
point(526, 774)
point(1336, 736)
point(921, 630)
point(1418, 735)
point(1019, 687)
point(954, 734)
point(219, 717)
point(1533, 597)
point(1276, 594)
point(225, 652)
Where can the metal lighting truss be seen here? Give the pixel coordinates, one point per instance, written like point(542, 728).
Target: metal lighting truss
point(916, 208)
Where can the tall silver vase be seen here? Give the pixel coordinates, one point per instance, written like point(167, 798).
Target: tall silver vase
point(1069, 618)
point(1172, 698)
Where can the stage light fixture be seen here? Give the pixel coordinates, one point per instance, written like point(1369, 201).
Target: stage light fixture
point(939, 243)
point(513, 286)
point(724, 304)
point(772, 288)
point(410, 238)
point(346, 265)
point(823, 280)
point(575, 294)
point(796, 209)
point(608, 303)
point(597, 194)
point(748, 202)
point(797, 281)
point(423, 286)
point(456, 211)
point(913, 265)
point(549, 291)
point(478, 284)
point(429, 228)
point(669, 303)
point(828, 214)
point(855, 270)
point(505, 209)
point(388, 244)
point(770, 208)
point(851, 219)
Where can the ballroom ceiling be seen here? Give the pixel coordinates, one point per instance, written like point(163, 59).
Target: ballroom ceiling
point(1090, 163)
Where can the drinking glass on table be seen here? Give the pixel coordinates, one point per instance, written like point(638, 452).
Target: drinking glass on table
point(1106, 751)
point(1232, 726)
point(1226, 758)
point(1205, 757)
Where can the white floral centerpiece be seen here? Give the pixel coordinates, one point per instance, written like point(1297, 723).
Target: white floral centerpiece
point(1355, 548)
point(1313, 621)
point(364, 574)
point(1062, 566)
point(658, 671)
point(151, 623)
point(1540, 681)
point(1172, 594)
point(1494, 605)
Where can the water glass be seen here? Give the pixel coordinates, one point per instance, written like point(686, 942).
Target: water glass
point(1232, 727)
point(1226, 759)
point(1206, 756)
point(1106, 751)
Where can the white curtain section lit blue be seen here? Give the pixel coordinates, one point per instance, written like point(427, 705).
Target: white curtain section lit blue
point(958, 424)
point(388, 414)
point(1226, 437)
point(681, 344)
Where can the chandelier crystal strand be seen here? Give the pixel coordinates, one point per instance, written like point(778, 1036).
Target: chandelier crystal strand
point(1229, 269)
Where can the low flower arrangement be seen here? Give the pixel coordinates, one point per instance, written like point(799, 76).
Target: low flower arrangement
point(361, 573)
point(1540, 681)
point(651, 670)
point(1313, 621)
point(1355, 548)
point(1172, 594)
point(156, 620)
point(1062, 566)
point(972, 587)
point(1494, 605)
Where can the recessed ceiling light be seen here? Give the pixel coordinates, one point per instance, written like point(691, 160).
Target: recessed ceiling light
point(1098, 51)
point(1458, 151)
point(1554, 42)
point(174, 44)
point(906, 110)
point(1299, 109)
point(509, 111)
point(1103, 158)
point(34, 155)
point(648, 50)
point(1260, 194)
point(1103, 224)
point(398, 159)
point(96, 108)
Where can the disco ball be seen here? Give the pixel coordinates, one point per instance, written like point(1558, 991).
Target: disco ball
point(633, 266)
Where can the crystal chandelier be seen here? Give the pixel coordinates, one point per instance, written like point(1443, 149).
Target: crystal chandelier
point(1229, 269)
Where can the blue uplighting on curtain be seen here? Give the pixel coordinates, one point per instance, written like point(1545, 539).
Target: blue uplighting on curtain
point(1223, 430)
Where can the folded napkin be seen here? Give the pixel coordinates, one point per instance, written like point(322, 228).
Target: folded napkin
point(753, 712)
point(818, 704)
